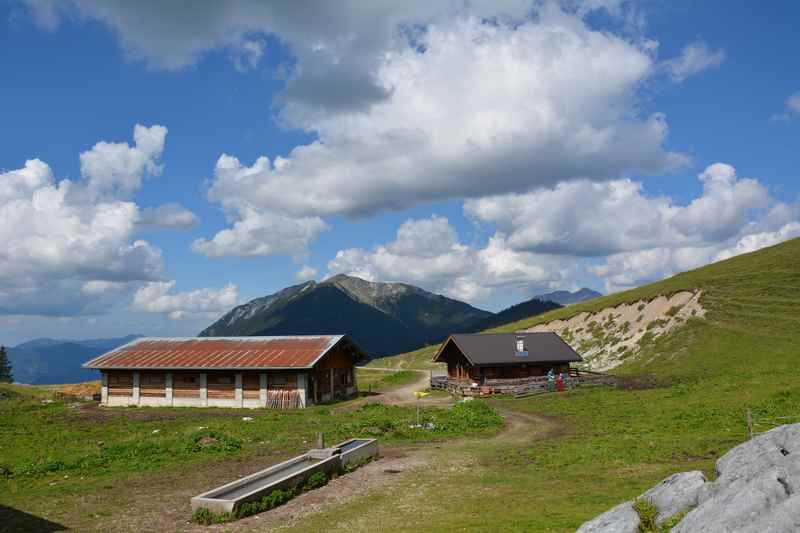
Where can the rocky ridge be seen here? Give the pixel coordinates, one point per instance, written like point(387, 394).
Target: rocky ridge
point(607, 338)
point(756, 491)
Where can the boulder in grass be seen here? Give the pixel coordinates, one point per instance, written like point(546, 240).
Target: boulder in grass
point(757, 491)
point(621, 519)
point(675, 494)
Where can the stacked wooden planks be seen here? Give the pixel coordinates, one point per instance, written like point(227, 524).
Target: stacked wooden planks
point(283, 398)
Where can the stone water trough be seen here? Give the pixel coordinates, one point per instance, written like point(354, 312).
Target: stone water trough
point(286, 475)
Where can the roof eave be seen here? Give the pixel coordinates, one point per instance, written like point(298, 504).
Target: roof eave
point(530, 362)
point(199, 367)
point(460, 349)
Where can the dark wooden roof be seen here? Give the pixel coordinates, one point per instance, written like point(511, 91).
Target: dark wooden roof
point(489, 349)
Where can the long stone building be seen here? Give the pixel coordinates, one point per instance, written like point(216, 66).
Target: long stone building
point(279, 372)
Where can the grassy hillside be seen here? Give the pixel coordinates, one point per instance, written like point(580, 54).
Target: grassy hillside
point(75, 463)
point(758, 288)
point(420, 359)
point(753, 294)
point(603, 445)
point(562, 459)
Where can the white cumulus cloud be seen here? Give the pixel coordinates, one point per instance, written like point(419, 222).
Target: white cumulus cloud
point(171, 215)
point(117, 169)
point(157, 297)
point(584, 218)
point(427, 252)
point(306, 273)
point(610, 233)
point(791, 108)
point(695, 57)
point(474, 108)
point(70, 246)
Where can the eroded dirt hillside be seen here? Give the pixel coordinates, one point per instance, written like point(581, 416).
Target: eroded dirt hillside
point(607, 338)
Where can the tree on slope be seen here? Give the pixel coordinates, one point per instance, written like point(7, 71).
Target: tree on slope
point(5, 367)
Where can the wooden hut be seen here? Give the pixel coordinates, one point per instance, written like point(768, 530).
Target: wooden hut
point(280, 372)
point(475, 358)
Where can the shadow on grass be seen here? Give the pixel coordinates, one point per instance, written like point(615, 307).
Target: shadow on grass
point(13, 520)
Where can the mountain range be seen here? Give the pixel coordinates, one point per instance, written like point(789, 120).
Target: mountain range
point(383, 318)
point(567, 298)
point(45, 360)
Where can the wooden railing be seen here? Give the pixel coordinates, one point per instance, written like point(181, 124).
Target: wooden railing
point(520, 387)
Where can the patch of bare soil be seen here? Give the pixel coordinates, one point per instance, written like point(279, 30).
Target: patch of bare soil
point(88, 388)
point(403, 395)
point(161, 502)
point(526, 426)
point(94, 411)
point(390, 468)
point(605, 339)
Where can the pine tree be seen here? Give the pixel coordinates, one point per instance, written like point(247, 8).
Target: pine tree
point(5, 367)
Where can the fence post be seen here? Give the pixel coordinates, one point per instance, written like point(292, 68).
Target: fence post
point(749, 423)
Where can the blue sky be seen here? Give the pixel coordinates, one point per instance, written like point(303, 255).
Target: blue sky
point(487, 152)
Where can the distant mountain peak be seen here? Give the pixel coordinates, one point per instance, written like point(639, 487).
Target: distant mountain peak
point(567, 297)
point(46, 360)
point(384, 317)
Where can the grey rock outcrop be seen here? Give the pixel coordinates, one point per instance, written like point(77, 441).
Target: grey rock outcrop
point(756, 491)
point(675, 494)
point(621, 519)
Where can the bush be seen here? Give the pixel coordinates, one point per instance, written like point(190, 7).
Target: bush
point(275, 498)
point(206, 517)
point(213, 441)
point(355, 465)
point(315, 481)
point(249, 508)
point(647, 515)
point(6, 472)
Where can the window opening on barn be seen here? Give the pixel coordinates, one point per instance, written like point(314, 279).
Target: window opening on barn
point(521, 351)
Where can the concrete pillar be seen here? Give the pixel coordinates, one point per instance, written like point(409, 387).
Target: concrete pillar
point(333, 393)
point(136, 388)
point(262, 389)
point(301, 388)
point(104, 388)
point(168, 388)
point(237, 391)
point(203, 389)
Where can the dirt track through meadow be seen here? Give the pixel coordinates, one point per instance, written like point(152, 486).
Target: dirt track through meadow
point(165, 510)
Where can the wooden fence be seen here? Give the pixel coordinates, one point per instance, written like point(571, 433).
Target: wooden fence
point(520, 387)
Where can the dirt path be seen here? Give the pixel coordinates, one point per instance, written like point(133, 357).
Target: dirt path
point(424, 465)
point(404, 394)
point(397, 465)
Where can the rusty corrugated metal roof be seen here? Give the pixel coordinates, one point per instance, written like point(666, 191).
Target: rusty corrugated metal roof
point(301, 351)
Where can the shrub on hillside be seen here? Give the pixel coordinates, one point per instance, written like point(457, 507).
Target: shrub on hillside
point(315, 481)
point(212, 441)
